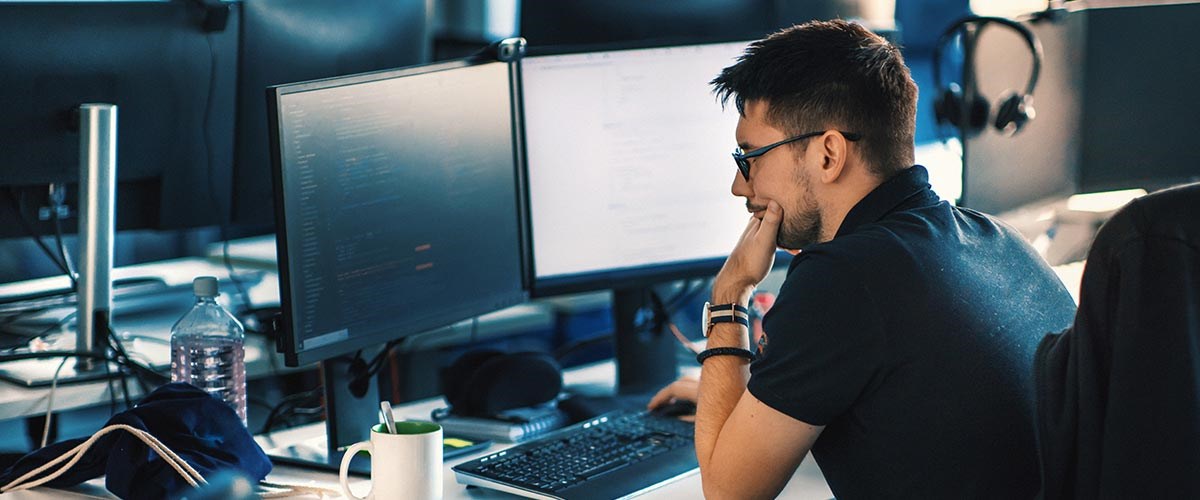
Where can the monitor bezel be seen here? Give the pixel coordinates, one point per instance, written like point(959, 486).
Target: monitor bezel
point(265, 56)
point(286, 337)
point(616, 278)
point(173, 149)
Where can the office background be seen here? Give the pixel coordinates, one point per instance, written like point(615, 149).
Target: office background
point(1093, 132)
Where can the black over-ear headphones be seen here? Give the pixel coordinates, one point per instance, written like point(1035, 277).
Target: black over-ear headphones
point(1013, 110)
point(486, 382)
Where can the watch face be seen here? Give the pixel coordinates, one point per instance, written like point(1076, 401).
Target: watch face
point(706, 319)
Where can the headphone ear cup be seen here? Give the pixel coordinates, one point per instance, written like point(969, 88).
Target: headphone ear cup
point(486, 382)
point(460, 376)
point(978, 116)
point(948, 110)
point(513, 381)
point(1014, 112)
point(947, 106)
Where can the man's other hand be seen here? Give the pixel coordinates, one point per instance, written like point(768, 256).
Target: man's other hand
point(685, 389)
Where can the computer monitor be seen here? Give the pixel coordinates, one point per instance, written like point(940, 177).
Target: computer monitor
point(172, 81)
point(1113, 107)
point(627, 155)
point(629, 174)
point(1003, 173)
point(593, 22)
point(285, 41)
point(397, 213)
point(1139, 113)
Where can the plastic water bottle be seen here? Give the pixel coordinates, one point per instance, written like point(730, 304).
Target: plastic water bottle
point(207, 348)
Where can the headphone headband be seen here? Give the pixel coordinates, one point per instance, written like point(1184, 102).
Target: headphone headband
point(1031, 41)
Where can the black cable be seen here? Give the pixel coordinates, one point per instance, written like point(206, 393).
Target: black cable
point(57, 324)
point(108, 357)
point(56, 198)
point(684, 290)
point(112, 396)
point(37, 238)
point(223, 223)
point(663, 320)
point(124, 372)
point(233, 276)
point(377, 362)
point(114, 354)
point(279, 408)
point(684, 297)
point(662, 314)
point(4, 358)
point(38, 300)
point(63, 253)
point(145, 375)
point(562, 352)
point(660, 317)
point(14, 316)
point(104, 359)
point(664, 311)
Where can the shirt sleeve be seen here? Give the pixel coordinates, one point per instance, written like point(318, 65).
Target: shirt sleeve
point(825, 342)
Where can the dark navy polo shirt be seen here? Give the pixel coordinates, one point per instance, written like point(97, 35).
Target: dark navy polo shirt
point(910, 336)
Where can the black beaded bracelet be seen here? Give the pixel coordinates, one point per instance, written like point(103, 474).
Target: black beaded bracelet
point(725, 351)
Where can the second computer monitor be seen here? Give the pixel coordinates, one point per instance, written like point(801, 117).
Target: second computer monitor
point(397, 204)
point(629, 167)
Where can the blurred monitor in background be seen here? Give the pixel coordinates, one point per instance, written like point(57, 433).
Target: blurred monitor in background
point(288, 41)
point(610, 22)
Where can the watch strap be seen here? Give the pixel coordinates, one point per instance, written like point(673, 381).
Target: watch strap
point(729, 318)
point(729, 307)
point(725, 313)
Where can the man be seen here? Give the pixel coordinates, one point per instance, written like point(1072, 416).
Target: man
point(899, 348)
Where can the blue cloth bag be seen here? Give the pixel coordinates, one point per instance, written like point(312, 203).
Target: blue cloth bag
point(201, 429)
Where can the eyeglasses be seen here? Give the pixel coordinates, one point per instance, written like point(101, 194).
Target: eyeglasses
point(742, 158)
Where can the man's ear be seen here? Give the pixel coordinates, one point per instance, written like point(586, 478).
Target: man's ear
point(833, 150)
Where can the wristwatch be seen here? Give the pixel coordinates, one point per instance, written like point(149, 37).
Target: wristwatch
point(723, 313)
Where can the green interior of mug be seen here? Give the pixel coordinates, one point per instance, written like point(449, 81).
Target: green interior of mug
point(408, 427)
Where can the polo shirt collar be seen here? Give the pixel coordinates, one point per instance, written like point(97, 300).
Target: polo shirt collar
point(907, 189)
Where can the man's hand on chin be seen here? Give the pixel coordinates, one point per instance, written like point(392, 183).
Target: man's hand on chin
point(751, 258)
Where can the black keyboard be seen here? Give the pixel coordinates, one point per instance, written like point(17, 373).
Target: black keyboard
point(616, 455)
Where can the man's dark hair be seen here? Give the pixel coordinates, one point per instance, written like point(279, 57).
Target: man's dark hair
point(826, 75)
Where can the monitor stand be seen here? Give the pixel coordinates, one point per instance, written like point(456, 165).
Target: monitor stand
point(645, 363)
point(646, 358)
point(348, 420)
point(97, 213)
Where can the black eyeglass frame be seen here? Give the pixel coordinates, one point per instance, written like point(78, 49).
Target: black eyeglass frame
point(742, 158)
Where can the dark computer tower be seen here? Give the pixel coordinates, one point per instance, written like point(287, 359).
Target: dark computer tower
point(1040, 161)
point(1139, 101)
point(1115, 106)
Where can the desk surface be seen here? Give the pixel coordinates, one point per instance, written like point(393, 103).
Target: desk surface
point(18, 401)
point(806, 483)
point(145, 334)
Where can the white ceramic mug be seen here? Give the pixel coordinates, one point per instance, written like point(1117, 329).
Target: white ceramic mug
point(406, 465)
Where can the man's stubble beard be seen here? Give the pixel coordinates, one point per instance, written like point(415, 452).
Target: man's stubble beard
point(802, 226)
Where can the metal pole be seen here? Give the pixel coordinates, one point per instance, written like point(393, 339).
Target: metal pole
point(97, 200)
point(969, 37)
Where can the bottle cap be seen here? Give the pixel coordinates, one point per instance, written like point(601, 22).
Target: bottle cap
point(205, 286)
